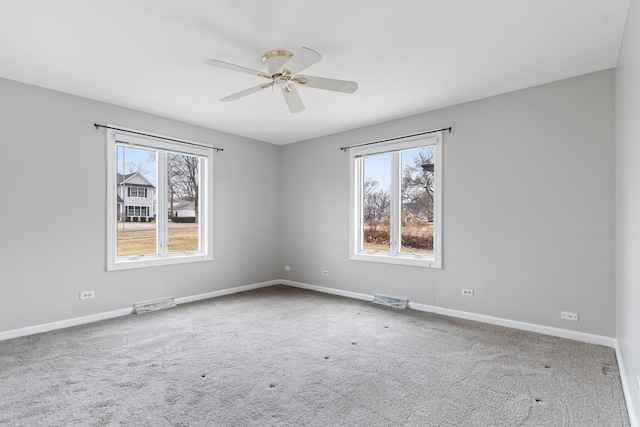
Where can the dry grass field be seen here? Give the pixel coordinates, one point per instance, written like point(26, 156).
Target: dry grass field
point(143, 242)
point(418, 235)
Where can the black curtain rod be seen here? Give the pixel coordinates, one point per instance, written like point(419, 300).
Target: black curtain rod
point(154, 136)
point(393, 139)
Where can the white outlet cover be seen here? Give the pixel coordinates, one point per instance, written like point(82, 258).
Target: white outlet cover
point(567, 315)
point(87, 294)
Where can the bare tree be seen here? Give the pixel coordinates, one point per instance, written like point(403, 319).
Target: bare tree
point(418, 183)
point(184, 178)
point(377, 202)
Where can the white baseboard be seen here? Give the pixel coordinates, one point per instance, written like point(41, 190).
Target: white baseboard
point(325, 290)
point(626, 389)
point(46, 327)
point(564, 333)
point(192, 298)
point(422, 307)
point(531, 327)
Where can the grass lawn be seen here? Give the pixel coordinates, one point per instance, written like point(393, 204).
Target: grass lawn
point(143, 242)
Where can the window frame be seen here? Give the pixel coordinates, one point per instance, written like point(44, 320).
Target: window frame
point(162, 146)
point(394, 256)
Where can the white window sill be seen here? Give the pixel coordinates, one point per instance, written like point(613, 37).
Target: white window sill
point(385, 258)
point(144, 261)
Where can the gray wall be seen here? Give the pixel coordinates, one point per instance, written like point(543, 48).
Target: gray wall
point(628, 203)
point(52, 247)
point(528, 208)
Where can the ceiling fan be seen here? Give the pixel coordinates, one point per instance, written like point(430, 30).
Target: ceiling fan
point(282, 69)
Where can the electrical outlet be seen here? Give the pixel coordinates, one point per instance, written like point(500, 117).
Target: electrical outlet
point(287, 268)
point(467, 292)
point(566, 315)
point(87, 294)
point(325, 272)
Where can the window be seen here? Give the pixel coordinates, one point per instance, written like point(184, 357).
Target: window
point(147, 176)
point(396, 201)
point(136, 191)
point(136, 211)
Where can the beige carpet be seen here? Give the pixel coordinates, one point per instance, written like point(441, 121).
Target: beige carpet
point(288, 357)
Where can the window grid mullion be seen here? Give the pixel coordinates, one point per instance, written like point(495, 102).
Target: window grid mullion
point(359, 214)
point(202, 239)
point(394, 221)
point(161, 202)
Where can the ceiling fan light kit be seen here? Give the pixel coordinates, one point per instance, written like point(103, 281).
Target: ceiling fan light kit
point(282, 69)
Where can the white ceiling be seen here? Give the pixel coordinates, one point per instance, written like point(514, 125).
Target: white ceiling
point(408, 56)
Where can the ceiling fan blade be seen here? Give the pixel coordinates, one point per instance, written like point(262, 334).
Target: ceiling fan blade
point(326, 84)
point(246, 92)
point(300, 60)
point(294, 102)
point(233, 67)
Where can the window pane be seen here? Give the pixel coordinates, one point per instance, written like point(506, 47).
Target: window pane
point(137, 234)
point(417, 189)
point(183, 177)
point(376, 202)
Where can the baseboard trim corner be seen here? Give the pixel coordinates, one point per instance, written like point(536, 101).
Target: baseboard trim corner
point(325, 290)
point(626, 388)
point(228, 291)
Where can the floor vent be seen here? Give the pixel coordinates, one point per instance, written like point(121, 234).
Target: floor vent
point(390, 301)
point(155, 305)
